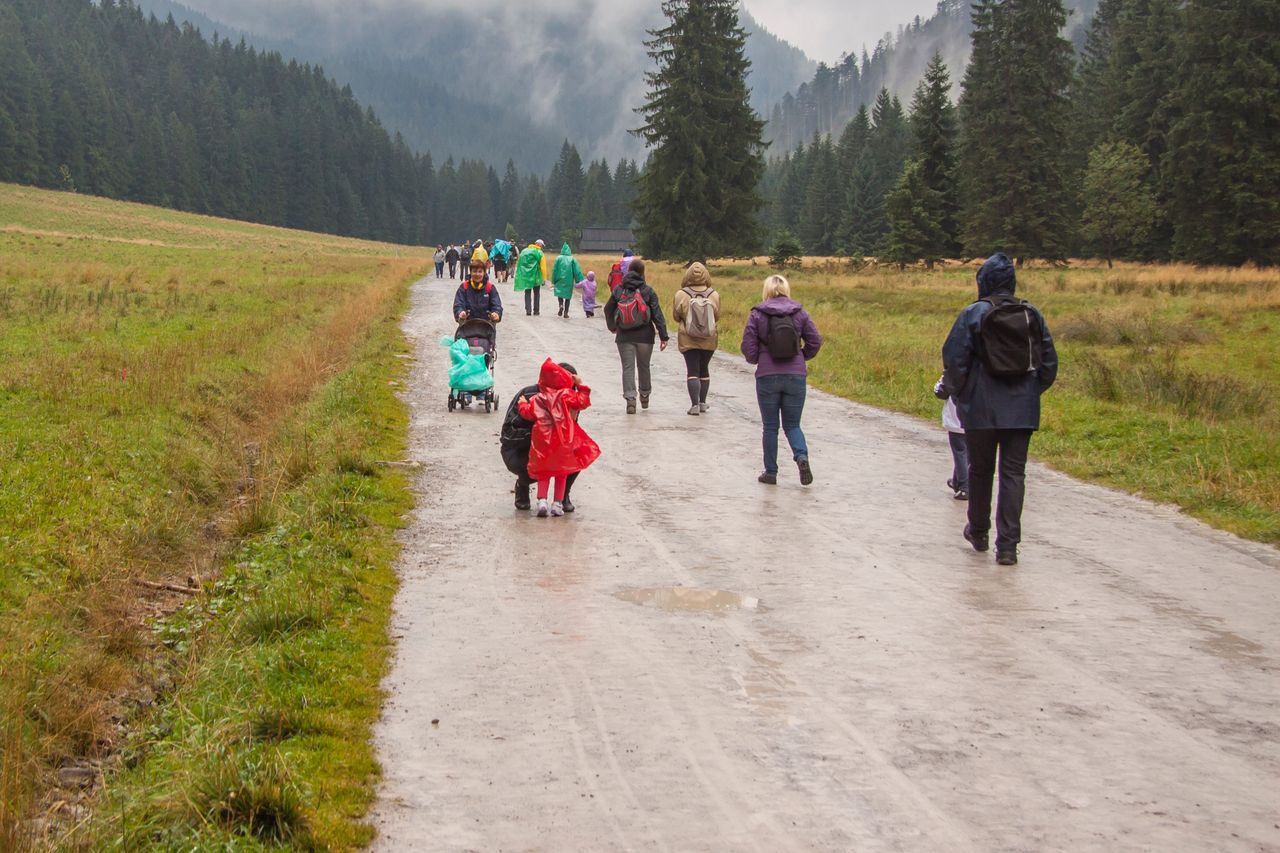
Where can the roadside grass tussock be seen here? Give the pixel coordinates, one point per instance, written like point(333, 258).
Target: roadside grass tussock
point(184, 398)
point(1169, 380)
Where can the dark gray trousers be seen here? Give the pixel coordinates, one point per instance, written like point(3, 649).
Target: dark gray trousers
point(1009, 447)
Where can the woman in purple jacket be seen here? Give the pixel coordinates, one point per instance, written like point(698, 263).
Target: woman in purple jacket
point(779, 339)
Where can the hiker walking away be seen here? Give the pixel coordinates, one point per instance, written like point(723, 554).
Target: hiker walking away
point(696, 311)
point(588, 288)
point(564, 275)
point(997, 361)
point(959, 482)
point(464, 261)
point(516, 440)
point(559, 447)
point(531, 275)
point(633, 314)
point(477, 299)
point(500, 257)
point(480, 257)
point(451, 258)
point(780, 339)
point(439, 259)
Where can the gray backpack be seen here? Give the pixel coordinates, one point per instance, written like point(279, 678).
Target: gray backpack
point(700, 322)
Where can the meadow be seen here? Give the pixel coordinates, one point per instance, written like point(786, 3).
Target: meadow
point(1169, 378)
point(197, 538)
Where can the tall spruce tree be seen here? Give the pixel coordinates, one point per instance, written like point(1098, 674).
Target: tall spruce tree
point(1222, 169)
point(851, 154)
point(933, 124)
point(821, 215)
point(698, 194)
point(915, 232)
point(1014, 115)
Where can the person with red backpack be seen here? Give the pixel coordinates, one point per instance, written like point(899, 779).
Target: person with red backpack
point(619, 270)
point(997, 361)
point(781, 339)
point(633, 314)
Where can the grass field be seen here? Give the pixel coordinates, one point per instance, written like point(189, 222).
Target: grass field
point(1169, 375)
point(187, 398)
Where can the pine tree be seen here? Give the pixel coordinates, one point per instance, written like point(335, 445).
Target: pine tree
point(564, 193)
point(698, 195)
point(851, 154)
point(1119, 207)
point(933, 124)
point(1014, 116)
point(821, 214)
point(915, 231)
point(1222, 170)
point(509, 208)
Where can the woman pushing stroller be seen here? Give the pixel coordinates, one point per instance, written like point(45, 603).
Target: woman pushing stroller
point(560, 447)
point(477, 298)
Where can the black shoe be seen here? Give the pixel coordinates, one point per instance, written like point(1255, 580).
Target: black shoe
point(1007, 558)
point(806, 474)
point(951, 484)
point(568, 504)
point(644, 402)
point(977, 540)
point(522, 497)
point(768, 479)
point(631, 407)
point(961, 495)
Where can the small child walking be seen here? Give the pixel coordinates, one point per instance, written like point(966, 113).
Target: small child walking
point(560, 447)
point(588, 288)
point(959, 482)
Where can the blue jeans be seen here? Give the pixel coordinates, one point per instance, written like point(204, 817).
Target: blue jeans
point(781, 399)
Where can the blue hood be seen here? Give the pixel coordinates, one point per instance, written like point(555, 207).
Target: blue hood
point(996, 276)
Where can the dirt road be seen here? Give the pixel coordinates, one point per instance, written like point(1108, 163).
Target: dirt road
point(694, 661)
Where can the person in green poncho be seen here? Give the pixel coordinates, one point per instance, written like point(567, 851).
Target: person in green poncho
point(531, 274)
point(564, 276)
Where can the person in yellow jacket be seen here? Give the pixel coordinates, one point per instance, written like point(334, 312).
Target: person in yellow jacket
point(531, 275)
point(480, 256)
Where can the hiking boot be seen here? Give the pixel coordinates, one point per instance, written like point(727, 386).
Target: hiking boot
point(695, 409)
point(543, 509)
point(1007, 558)
point(522, 498)
point(977, 540)
point(631, 407)
point(703, 406)
point(806, 473)
point(557, 509)
point(644, 402)
point(568, 504)
point(961, 495)
point(768, 479)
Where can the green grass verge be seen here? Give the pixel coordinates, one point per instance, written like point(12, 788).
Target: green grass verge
point(265, 742)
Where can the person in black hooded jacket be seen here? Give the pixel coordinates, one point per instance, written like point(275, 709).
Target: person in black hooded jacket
point(635, 346)
point(517, 438)
point(998, 413)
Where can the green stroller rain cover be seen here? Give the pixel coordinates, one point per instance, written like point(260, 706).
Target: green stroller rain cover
point(469, 372)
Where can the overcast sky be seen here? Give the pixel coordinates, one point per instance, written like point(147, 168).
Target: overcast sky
point(824, 29)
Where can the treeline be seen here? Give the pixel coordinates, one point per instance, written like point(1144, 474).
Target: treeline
point(1160, 141)
point(99, 98)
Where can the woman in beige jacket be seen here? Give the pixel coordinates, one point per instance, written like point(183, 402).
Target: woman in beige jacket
point(697, 313)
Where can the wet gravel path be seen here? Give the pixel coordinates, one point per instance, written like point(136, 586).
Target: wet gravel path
point(694, 661)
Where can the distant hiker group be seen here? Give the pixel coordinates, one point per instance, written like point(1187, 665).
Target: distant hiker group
point(997, 361)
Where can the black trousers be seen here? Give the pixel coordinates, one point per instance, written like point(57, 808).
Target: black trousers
point(1010, 446)
point(533, 300)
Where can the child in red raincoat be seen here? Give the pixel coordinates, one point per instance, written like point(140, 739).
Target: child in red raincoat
point(560, 447)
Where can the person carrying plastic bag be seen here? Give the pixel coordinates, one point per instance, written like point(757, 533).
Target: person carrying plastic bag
point(560, 447)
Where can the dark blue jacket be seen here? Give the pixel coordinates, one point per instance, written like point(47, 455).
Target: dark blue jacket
point(993, 402)
point(477, 303)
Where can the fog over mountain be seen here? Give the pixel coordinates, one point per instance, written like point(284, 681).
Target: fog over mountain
point(472, 78)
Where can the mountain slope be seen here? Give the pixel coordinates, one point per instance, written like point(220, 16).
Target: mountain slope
point(827, 102)
point(444, 77)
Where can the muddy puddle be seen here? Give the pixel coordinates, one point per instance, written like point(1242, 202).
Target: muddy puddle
point(689, 599)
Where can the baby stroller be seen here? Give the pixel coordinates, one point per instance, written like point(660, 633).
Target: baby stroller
point(482, 339)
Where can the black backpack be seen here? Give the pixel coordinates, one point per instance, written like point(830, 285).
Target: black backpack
point(784, 337)
point(1011, 338)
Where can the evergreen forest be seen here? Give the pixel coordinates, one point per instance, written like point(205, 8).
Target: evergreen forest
point(102, 99)
point(1158, 140)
